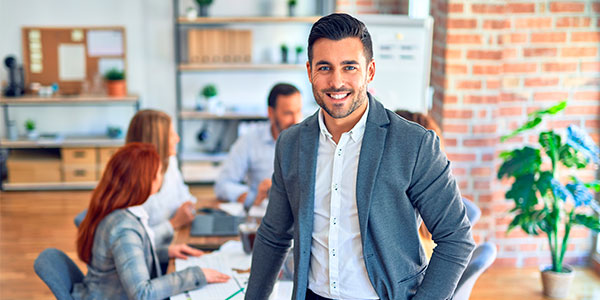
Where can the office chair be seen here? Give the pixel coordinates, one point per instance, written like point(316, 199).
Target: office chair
point(473, 212)
point(483, 257)
point(58, 271)
point(79, 218)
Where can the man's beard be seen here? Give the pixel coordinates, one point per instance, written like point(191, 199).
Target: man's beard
point(356, 101)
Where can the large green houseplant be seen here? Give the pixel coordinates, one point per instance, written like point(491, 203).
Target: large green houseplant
point(542, 203)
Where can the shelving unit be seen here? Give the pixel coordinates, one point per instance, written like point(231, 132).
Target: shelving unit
point(100, 146)
point(203, 166)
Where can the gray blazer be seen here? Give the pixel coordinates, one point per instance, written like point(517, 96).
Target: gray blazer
point(401, 168)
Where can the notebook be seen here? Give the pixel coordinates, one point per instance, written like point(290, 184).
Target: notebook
point(215, 225)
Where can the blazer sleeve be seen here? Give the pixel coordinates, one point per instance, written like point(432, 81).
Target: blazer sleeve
point(434, 192)
point(273, 238)
point(128, 252)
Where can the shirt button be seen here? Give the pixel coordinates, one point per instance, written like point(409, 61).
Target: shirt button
point(335, 187)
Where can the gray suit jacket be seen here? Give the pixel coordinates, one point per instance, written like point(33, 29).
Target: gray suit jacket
point(401, 168)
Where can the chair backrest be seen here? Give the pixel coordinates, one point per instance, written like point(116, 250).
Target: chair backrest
point(79, 217)
point(482, 258)
point(473, 212)
point(58, 271)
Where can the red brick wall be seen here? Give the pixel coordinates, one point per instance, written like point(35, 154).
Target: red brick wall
point(493, 62)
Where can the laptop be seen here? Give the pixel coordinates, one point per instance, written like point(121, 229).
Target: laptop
point(215, 225)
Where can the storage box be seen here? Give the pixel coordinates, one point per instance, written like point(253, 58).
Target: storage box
point(78, 156)
point(78, 173)
point(104, 155)
point(34, 166)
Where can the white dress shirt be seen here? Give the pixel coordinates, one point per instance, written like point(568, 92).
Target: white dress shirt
point(337, 266)
point(250, 161)
point(162, 206)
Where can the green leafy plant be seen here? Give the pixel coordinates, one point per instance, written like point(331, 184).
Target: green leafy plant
point(30, 125)
point(209, 90)
point(292, 2)
point(114, 74)
point(542, 203)
point(299, 49)
point(284, 48)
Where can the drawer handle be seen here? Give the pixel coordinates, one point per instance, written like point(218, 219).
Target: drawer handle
point(80, 173)
point(79, 154)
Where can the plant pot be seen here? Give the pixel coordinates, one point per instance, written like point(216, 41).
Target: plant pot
point(203, 12)
point(557, 285)
point(292, 10)
point(32, 134)
point(116, 88)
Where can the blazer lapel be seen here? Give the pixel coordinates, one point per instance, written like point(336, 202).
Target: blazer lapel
point(307, 163)
point(370, 157)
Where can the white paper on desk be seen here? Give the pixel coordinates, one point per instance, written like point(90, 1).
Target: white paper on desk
point(224, 260)
point(71, 62)
point(237, 209)
point(105, 42)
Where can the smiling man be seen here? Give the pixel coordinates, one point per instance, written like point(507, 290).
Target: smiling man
point(348, 187)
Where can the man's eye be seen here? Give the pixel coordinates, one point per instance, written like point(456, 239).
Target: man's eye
point(323, 68)
point(350, 68)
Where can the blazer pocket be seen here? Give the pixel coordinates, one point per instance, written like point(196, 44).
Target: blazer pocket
point(421, 272)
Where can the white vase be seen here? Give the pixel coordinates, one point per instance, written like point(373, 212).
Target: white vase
point(32, 134)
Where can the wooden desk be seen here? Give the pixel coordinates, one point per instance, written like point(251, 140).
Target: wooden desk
point(182, 235)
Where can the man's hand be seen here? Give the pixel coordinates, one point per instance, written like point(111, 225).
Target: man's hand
point(263, 191)
point(182, 251)
point(242, 198)
point(183, 216)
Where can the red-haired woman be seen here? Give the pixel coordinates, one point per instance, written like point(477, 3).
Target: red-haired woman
point(116, 242)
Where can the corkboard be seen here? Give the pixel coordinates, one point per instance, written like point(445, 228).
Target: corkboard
point(50, 39)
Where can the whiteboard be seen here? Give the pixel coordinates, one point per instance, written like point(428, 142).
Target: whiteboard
point(402, 53)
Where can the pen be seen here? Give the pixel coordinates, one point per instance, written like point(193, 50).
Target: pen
point(239, 291)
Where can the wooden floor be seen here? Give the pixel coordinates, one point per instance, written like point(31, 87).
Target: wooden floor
point(33, 221)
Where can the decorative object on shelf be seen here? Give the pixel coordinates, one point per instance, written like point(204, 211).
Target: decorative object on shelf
point(292, 7)
point(16, 83)
point(13, 133)
point(211, 102)
point(299, 51)
point(203, 6)
point(115, 83)
point(30, 128)
point(284, 53)
point(114, 132)
point(191, 13)
point(542, 202)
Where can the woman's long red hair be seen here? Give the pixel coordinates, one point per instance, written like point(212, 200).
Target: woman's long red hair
point(127, 181)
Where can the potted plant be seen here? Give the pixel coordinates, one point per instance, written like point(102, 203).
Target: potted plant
point(115, 83)
point(211, 103)
point(542, 203)
point(203, 7)
point(284, 53)
point(299, 51)
point(30, 128)
point(292, 7)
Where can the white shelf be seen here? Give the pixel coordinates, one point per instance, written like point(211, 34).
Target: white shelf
point(61, 142)
point(88, 185)
point(259, 20)
point(191, 67)
point(203, 157)
point(71, 100)
point(195, 115)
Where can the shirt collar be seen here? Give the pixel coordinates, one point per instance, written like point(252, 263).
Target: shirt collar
point(267, 137)
point(355, 133)
point(139, 212)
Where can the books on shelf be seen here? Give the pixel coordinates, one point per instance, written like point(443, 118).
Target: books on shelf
point(210, 46)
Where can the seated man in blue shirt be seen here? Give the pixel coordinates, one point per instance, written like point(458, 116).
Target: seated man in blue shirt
point(251, 157)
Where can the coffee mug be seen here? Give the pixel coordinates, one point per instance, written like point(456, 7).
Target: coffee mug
point(247, 235)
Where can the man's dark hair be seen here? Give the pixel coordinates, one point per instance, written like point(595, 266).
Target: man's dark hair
point(340, 26)
point(284, 89)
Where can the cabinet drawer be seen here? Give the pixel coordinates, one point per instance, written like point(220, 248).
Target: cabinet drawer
point(104, 155)
point(73, 156)
point(75, 173)
point(34, 171)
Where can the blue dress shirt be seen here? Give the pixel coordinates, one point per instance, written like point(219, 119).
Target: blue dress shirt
point(250, 161)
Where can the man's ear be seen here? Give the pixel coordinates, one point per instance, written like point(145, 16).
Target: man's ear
point(371, 71)
point(270, 113)
point(308, 70)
